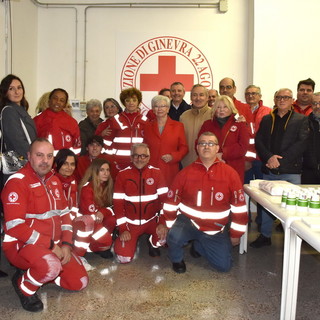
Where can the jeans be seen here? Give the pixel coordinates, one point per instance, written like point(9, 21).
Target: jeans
point(268, 218)
point(215, 248)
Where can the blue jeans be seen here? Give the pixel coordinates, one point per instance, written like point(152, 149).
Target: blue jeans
point(268, 218)
point(215, 248)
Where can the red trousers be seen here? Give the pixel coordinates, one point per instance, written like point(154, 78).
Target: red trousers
point(128, 248)
point(43, 266)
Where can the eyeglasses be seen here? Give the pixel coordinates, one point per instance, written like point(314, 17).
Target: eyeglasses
point(248, 94)
point(140, 156)
point(128, 100)
point(160, 107)
point(285, 98)
point(226, 87)
point(207, 144)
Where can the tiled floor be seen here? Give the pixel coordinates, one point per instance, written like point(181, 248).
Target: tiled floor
point(147, 289)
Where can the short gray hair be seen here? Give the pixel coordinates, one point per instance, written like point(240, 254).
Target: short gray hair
point(159, 98)
point(93, 103)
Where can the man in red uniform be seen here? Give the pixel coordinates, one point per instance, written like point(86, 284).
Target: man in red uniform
point(137, 199)
point(208, 194)
point(56, 125)
point(38, 231)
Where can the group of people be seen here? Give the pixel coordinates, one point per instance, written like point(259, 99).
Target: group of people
point(176, 174)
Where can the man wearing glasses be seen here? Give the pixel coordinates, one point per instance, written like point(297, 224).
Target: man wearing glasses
point(138, 197)
point(280, 143)
point(208, 195)
point(311, 157)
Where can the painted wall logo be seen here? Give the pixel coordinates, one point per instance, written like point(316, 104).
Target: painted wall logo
point(160, 61)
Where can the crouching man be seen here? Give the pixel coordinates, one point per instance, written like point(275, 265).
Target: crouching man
point(207, 194)
point(38, 230)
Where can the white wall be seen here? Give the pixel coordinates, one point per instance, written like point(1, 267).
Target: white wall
point(270, 43)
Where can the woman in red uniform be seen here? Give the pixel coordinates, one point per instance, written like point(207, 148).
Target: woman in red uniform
point(96, 190)
point(166, 139)
point(232, 133)
point(125, 128)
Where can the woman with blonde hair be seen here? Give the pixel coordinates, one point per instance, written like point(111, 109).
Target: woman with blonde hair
point(232, 132)
point(96, 190)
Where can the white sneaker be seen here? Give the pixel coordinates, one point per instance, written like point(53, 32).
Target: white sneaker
point(86, 264)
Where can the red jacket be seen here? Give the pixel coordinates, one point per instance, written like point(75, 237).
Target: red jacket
point(35, 211)
point(87, 204)
point(258, 114)
point(243, 110)
point(206, 196)
point(126, 129)
point(70, 190)
point(138, 196)
point(59, 128)
point(233, 140)
point(171, 141)
point(305, 111)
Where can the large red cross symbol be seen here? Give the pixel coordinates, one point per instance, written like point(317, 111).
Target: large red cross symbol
point(165, 77)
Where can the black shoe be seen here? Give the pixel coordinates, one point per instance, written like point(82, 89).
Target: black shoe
point(194, 253)
point(179, 267)
point(153, 252)
point(107, 254)
point(3, 274)
point(29, 303)
point(261, 241)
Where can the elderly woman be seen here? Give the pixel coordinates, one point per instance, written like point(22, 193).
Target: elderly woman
point(111, 107)
point(233, 135)
point(89, 125)
point(166, 139)
point(125, 128)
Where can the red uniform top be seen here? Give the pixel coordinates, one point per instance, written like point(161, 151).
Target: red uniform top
point(138, 196)
point(126, 129)
point(209, 197)
point(87, 204)
point(306, 111)
point(233, 140)
point(258, 114)
point(171, 141)
point(60, 129)
point(243, 110)
point(35, 210)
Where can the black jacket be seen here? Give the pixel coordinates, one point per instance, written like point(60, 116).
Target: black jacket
point(293, 142)
point(175, 114)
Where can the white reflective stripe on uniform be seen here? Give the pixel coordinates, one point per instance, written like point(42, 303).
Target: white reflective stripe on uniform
point(100, 233)
point(26, 290)
point(125, 153)
point(66, 227)
point(80, 244)
point(13, 223)
point(83, 234)
point(240, 209)
point(137, 140)
point(65, 211)
point(170, 207)
point(238, 227)
point(48, 214)
point(211, 215)
point(75, 210)
point(122, 140)
point(210, 233)
point(33, 280)
point(170, 223)
point(118, 195)
point(116, 117)
point(57, 281)
point(141, 198)
point(16, 176)
point(162, 190)
point(55, 152)
point(251, 141)
point(144, 118)
point(111, 152)
point(251, 154)
point(107, 142)
point(138, 221)
point(121, 221)
point(33, 238)
point(8, 238)
point(75, 150)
